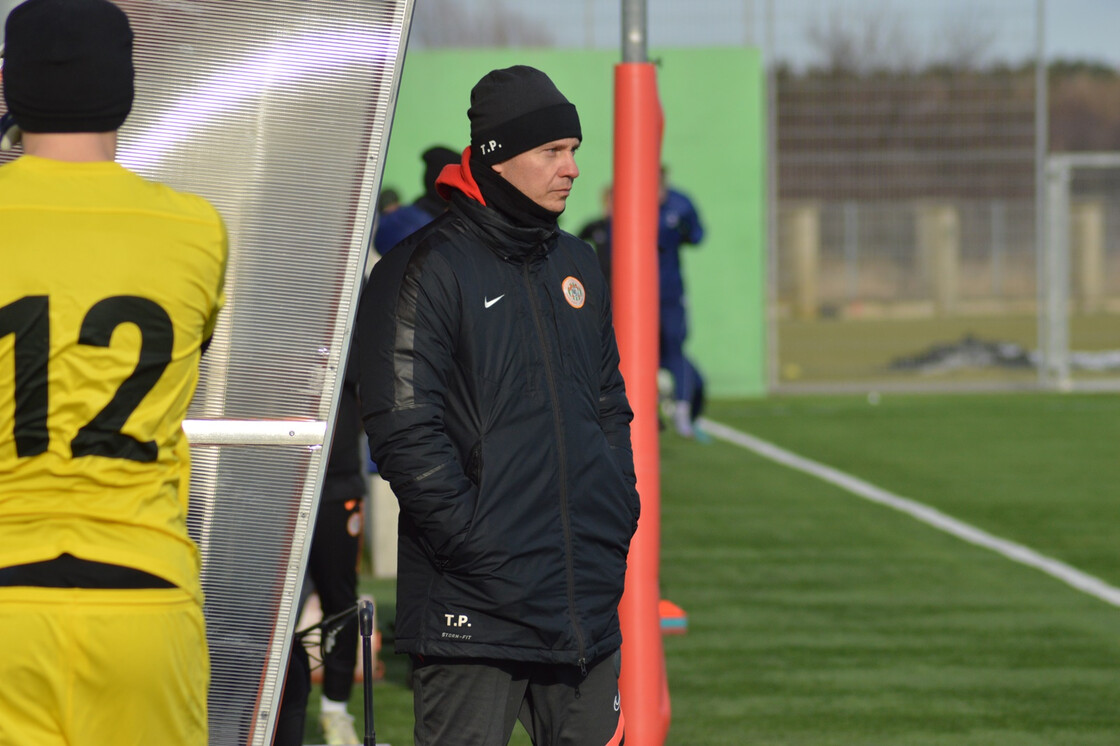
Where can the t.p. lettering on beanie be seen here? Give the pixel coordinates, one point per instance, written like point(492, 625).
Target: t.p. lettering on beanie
point(68, 66)
point(516, 109)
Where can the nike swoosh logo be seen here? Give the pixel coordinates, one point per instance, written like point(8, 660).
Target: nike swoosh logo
point(488, 302)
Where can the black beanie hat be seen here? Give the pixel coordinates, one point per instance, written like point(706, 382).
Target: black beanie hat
point(68, 66)
point(435, 158)
point(516, 109)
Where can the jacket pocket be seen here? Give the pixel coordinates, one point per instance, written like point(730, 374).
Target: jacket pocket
point(633, 501)
point(474, 464)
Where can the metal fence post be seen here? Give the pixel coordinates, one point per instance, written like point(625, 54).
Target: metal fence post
point(1054, 322)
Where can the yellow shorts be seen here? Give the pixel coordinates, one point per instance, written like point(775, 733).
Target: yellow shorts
point(90, 667)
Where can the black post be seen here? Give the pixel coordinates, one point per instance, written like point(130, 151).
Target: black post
point(365, 624)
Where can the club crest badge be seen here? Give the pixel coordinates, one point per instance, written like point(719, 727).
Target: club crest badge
point(574, 292)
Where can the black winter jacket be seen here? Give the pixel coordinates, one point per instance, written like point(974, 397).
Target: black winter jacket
point(495, 408)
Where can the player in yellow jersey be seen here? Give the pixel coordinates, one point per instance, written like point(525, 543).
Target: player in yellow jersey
point(110, 286)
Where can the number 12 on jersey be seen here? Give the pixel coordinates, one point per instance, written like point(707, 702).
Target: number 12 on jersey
point(28, 319)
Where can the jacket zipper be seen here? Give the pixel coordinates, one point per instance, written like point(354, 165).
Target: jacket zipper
point(562, 455)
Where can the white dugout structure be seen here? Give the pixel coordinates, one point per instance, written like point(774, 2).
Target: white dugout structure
point(278, 111)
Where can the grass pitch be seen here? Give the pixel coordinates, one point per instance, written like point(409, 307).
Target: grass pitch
point(861, 351)
point(818, 618)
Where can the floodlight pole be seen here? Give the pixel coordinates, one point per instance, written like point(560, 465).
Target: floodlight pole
point(1041, 225)
point(637, 166)
point(634, 25)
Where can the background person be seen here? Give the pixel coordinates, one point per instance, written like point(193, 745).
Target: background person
point(333, 562)
point(678, 224)
point(396, 224)
point(388, 200)
point(495, 408)
point(110, 290)
point(597, 232)
point(332, 571)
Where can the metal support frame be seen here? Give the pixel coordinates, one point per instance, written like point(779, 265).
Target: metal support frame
point(634, 31)
point(255, 432)
point(1055, 263)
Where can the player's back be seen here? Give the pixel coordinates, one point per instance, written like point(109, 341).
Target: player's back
point(110, 285)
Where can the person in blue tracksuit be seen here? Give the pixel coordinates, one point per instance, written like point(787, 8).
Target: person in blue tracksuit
point(397, 224)
point(678, 224)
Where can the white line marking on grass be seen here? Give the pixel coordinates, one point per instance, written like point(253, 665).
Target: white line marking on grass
point(924, 513)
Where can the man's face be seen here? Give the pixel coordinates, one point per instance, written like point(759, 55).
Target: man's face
point(545, 173)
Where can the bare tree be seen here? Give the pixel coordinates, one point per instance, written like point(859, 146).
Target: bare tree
point(453, 23)
point(967, 41)
point(881, 38)
point(873, 39)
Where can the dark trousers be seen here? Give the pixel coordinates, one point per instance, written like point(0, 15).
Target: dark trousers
point(332, 566)
point(293, 702)
point(473, 702)
point(688, 384)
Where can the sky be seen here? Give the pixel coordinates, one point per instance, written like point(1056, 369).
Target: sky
point(1078, 29)
point(1084, 28)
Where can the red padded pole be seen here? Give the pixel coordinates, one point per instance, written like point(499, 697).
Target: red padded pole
point(637, 161)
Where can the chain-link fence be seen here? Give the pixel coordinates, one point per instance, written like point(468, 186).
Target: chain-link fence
point(905, 142)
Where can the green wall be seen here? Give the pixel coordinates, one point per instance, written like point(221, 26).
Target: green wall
point(714, 146)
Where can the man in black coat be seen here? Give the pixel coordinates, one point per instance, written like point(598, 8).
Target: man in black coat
point(494, 406)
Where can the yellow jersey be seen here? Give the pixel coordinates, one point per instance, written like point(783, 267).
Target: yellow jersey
point(109, 285)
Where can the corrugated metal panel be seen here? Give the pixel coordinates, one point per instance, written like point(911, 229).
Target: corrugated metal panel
point(278, 112)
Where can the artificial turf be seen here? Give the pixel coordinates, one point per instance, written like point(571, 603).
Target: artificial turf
point(818, 618)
